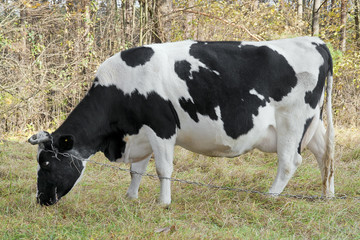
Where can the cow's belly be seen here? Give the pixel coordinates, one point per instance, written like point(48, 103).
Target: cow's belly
point(208, 137)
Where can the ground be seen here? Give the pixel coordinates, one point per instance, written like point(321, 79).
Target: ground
point(97, 209)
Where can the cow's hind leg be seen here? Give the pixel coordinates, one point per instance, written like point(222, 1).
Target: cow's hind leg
point(289, 135)
point(318, 147)
point(287, 164)
point(137, 169)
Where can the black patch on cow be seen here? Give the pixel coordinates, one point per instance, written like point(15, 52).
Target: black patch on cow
point(106, 115)
point(232, 71)
point(176, 116)
point(66, 142)
point(190, 108)
point(182, 69)
point(137, 56)
point(321, 112)
point(313, 97)
point(113, 146)
point(306, 126)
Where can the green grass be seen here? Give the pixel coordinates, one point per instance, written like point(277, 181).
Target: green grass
point(97, 209)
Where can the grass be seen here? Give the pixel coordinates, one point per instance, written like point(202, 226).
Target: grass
point(97, 209)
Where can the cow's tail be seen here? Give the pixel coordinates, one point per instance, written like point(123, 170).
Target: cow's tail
point(328, 180)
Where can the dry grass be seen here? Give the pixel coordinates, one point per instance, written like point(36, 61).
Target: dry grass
point(97, 208)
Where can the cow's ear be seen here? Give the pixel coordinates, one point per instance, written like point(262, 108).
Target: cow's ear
point(66, 142)
point(113, 148)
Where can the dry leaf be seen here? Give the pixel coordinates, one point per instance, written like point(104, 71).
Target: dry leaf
point(165, 229)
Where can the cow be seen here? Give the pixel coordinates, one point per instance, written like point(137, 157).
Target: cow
point(214, 98)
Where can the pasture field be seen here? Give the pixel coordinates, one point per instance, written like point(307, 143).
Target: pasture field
point(97, 208)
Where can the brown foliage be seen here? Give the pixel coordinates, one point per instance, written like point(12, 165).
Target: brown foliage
point(49, 52)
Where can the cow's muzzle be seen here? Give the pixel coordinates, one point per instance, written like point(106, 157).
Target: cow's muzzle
point(40, 137)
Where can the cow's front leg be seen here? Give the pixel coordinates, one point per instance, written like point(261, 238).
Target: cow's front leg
point(163, 152)
point(137, 169)
point(164, 169)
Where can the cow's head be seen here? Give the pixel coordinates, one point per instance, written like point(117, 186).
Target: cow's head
point(59, 167)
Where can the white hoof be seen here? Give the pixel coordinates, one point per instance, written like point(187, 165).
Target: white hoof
point(131, 196)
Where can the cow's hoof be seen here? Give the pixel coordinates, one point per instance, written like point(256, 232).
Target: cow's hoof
point(165, 205)
point(273, 195)
point(328, 196)
point(131, 196)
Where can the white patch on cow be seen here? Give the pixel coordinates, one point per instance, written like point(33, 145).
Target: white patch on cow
point(137, 147)
point(254, 92)
point(216, 72)
point(38, 168)
point(82, 171)
point(218, 111)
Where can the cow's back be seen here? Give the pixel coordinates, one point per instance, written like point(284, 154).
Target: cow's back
point(226, 94)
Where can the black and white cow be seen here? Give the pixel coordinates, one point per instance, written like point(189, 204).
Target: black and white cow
point(214, 98)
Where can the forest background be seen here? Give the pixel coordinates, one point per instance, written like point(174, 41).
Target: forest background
point(50, 50)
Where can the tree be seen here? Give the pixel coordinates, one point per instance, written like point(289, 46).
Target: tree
point(343, 17)
point(315, 18)
point(300, 9)
point(162, 7)
point(357, 30)
point(256, 4)
point(128, 15)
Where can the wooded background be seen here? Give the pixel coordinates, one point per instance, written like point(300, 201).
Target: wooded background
point(50, 50)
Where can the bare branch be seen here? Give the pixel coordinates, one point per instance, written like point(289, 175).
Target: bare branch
point(257, 38)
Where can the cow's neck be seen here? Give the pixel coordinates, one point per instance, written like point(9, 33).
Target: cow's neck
point(89, 123)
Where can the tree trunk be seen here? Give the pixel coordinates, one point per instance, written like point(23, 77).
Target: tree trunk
point(80, 19)
point(315, 18)
point(343, 16)
point(357, 27)
point(281, 5)
point(115, 6)
point(255, 4)
point(188, 26)
point(300, 9)
point(85, 35)
point(115, 15)
point(161, 25)
point(127, 11)
point(25, 52)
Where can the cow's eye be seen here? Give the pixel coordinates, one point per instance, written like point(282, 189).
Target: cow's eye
point(45, 164)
